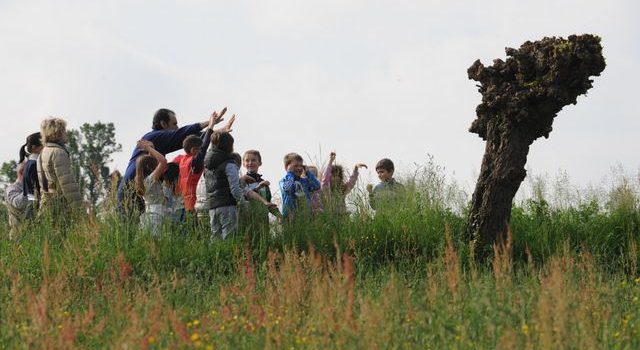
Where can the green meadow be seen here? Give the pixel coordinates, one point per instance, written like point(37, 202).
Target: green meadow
point(403, 278)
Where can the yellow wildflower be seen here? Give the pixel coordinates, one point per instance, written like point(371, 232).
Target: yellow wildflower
point(195, 336)
point(525, 329)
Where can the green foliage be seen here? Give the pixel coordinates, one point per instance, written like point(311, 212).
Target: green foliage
point(8, 172)
point(91, 148)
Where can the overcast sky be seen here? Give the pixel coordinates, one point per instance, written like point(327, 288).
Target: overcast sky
point(369, 79)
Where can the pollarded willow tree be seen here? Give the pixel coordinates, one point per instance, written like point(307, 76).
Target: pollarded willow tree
point(520, 98)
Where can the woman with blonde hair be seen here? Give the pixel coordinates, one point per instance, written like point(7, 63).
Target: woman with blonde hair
point(59, 186)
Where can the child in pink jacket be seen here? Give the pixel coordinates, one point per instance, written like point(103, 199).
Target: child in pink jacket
point(334, 188)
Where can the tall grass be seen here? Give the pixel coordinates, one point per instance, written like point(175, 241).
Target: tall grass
point(401, 278)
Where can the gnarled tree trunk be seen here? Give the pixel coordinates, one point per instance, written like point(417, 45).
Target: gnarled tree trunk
point(520, 98)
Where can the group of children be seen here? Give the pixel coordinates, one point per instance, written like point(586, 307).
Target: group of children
point(205, 181)
point(232, 200)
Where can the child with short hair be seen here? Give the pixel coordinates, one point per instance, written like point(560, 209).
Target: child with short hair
point(255, 217)
point(296, 190)
point(388, 190)
point(334, 188)
point(148, 184)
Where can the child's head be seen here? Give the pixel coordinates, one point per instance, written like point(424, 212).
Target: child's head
point(172, 174)
point(337, 176)
point(145, 165)
point(385, 169)
point(223, 141)
point(33, 145)
point(314, 170)
point(237, 158)
point(294, 162)
point(252, 161)
point(191, 145)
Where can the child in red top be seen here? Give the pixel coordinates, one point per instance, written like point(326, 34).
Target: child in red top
point(192, 162)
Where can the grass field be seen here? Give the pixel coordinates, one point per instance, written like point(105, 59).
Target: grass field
point(397, 280)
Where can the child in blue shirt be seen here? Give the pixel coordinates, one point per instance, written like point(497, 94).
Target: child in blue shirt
point(296, 190)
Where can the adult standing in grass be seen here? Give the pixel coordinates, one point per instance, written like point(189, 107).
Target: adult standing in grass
point(166, 137)
point(60, 190)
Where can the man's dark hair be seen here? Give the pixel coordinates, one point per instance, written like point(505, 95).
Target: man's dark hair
point(162, 115)
point(386, 164)
point(190, 142)
point(222, 141)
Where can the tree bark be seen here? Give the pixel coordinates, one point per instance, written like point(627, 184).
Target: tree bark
point(520, 99)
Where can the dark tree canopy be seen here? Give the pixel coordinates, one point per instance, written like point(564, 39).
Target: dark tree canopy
point(535, 83)
point(520, 98)
point(91, 148)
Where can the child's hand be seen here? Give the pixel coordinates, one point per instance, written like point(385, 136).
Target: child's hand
point(369, 188)
point(291, 168)
point(229, 125)
point(248, 179)
point(273, 209)
point(332, 157)
point(360, 165)
point(145, 145)
point(216, 117)
point(213, 120)
point(264, 183)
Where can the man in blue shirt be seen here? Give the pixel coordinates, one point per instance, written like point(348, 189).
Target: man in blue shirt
point(166, 138)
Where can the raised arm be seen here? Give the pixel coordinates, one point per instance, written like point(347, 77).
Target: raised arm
point(147, 146)
point(353, 179)
point(326, 175)
point(197, 164)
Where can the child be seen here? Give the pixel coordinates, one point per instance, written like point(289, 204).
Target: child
point(222, 175)
point(316, 196)
point(149, 170)
point(388, 190)
point(296, 190)
point(174, 207)
point(17, 203)
point(192, 162)
point(256, 217)
point(334, 188)
point(30, 152)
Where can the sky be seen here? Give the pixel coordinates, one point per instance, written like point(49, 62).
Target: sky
point(368, 79)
